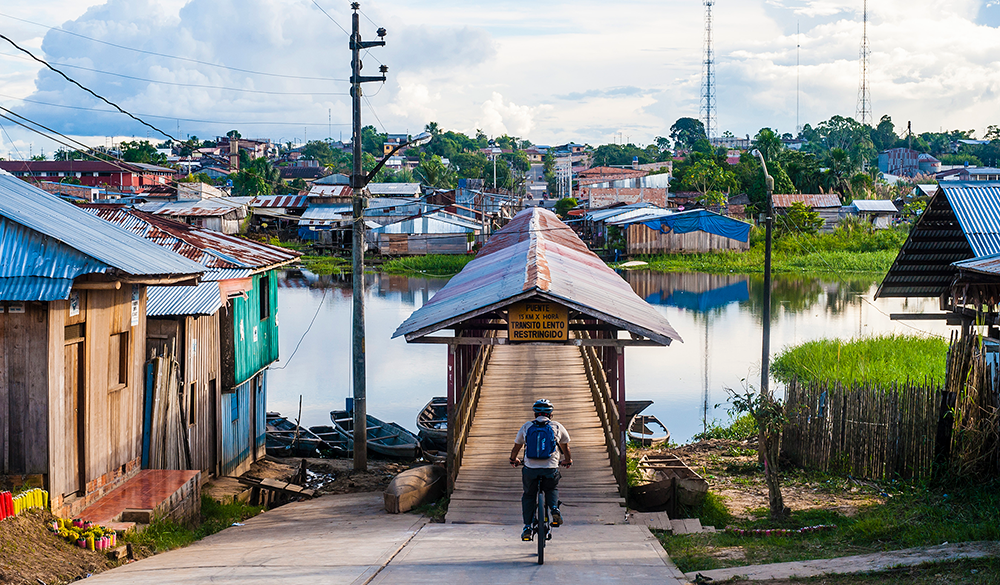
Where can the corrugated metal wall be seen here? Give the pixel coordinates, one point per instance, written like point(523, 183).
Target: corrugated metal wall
point(242, 428)
point(260, 419)
point(255, 340)
point(642, 240)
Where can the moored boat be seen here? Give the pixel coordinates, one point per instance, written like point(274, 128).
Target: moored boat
point(666, 482)
point(646, 430)
point(384, 438)
point(337, 444)
point(286, 439)
point(432, 422)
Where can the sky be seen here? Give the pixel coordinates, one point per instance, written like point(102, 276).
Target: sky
point(551, 72)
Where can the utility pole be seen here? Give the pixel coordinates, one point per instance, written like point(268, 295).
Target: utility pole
point(769, 224)
point(358, 183)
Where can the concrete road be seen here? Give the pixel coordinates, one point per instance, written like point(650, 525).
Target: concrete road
point(351, 540)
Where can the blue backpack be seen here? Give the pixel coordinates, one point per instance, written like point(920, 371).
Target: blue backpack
point(539, 441)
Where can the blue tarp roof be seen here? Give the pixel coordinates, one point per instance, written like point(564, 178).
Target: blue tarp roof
point(703, 220)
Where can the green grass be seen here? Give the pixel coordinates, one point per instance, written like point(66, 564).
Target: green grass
point(843, 251)
point(323, 265)
point(435, 510)
point(915, 514)
point(741, 428)
point(164, 534)
point(430, 265)
point(880, 360)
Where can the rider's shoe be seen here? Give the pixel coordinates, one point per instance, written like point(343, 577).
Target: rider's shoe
point(526, 533)
point(556, 517)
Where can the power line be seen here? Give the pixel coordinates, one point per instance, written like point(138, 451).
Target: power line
point(331, 18)
point(154, 53)
point(219, 122)
point(200, 85)
point(91, 92)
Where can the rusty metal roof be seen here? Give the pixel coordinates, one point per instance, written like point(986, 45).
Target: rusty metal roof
point(209, 248)
point(989, 265)
point(280, 201)
point(213, 207)
point(819, 200)
point(536, 255)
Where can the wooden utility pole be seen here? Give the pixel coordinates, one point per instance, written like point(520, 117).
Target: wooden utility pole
point(358, 183)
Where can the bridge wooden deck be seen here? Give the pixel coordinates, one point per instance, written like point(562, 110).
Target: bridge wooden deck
point(488, 489)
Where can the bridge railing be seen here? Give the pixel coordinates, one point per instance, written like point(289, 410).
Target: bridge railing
point(607, 410)
point(465, 411)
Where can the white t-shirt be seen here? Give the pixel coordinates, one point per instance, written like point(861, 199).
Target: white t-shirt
point(561, 437)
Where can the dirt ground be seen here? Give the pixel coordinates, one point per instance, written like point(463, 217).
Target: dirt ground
point(728, 466)
point(30, 554)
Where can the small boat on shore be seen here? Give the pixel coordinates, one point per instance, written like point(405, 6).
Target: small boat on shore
point(413, 487)
point(387, 439)
point(284, 438)
point(666, 482)
point(647, 431)
point(336, 444)
point(432, 422)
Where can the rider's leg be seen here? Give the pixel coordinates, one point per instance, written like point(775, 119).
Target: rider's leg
point(529, 478)
point(551, 487)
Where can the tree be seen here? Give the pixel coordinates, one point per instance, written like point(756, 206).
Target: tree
point(662, 143)
point(768, 143)
point(142, 152)
point(710, 181)
point(433, 129)
point(372, 142)
point(798, 219)
point(686, 131)
point(564, 205)
point(770, 418)
point(256, 178)
point(884, 135)
point(234, 134)
point(434, 173)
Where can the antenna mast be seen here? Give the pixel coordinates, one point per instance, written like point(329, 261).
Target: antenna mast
point(708, 77)
point(864, 111)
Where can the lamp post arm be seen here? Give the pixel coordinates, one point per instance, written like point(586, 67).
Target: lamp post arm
point(417, 140)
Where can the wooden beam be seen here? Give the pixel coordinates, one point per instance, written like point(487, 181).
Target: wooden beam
point(505, 341)
point(91, 285)
point(164, 280)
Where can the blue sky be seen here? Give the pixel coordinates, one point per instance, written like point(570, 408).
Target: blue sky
point(552, 72)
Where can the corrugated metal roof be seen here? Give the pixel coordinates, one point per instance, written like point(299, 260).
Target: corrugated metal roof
point(35, 288)
point(983, 265)
point(536, 255)
point(605, 214)
point(318, 190)
point(213, 207)
point(325, 214)
point(818, 200)
point(378, 189)
point(977, 207)
point(209, 248)
point(46, 236)
point(280, 201)
point(638, 215)
point(432, 223)
point(334, 179)
point(874, 205)
point(170, 301)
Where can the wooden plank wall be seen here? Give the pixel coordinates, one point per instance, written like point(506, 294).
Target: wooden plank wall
point(24, 364)
point(202, 367)
point(421, 244)
point(643, 240)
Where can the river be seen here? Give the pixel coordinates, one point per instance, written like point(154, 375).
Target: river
point(718, 317)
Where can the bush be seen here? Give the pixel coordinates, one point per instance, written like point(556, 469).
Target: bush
point(741, 428)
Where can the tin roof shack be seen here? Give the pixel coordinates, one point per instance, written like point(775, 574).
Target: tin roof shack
point(685, 232)
point(225, 332)
point(433, 233)
point(961, 223)
point(72, 343)
point(827, 205)
point(221, 214)
point(878, 212)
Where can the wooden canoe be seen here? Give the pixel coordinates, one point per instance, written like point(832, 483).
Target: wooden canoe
point(336, 444)
point(432, 422)
point(414, 487)
point(647, 431)
point(283, 438)
point(666, 483)
point(387, 439)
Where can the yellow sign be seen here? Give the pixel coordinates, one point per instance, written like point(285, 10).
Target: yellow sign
point(537, 321)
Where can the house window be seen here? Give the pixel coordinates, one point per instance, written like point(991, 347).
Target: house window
point(234, 403)
point(118, 347)
point(264, 292)
point(192, 405)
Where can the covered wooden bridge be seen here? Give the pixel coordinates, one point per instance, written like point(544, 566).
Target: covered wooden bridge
point(536, 315)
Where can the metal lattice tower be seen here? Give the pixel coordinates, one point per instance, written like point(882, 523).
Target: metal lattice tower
point(864, 110)
point(707, 110)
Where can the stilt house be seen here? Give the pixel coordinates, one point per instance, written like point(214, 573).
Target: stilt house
point(72, 340)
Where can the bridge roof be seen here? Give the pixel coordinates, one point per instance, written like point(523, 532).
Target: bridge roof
point(536, 255)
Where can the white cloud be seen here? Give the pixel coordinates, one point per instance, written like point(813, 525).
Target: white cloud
point(501, 117)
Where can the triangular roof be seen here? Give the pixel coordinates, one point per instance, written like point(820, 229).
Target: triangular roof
point(538, 256)
point(962, 221)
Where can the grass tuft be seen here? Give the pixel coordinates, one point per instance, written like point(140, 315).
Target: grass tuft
point(430, 265)
point(741, 428)
point(879, 360)
point(164, 534)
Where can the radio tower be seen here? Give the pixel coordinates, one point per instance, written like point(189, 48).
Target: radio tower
point(864, 111)
point(707, 110)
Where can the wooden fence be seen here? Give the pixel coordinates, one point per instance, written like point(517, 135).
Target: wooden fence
point(864, 430)
point(607, 411)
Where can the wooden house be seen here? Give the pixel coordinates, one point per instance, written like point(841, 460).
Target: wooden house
point(72, 341)
point(224, 333)
point(683, 232)
point(827, 205)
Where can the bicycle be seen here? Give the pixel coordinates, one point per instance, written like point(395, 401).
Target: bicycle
point(541, 531)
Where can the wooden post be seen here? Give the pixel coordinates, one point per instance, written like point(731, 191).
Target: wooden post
point(451, 417)
point(623, 423)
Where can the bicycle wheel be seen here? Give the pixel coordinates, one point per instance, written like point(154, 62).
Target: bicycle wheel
point(543, 526)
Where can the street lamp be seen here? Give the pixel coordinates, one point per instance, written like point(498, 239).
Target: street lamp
point(769, 223)
point(359, 183)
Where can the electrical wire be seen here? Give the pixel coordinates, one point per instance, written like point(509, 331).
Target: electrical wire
point(154, 53)
point(331, 18)
point(374, 113)
point(91, 92)
point(306, 332)
point(199, 85)
point(221, 123)
point(11, 141)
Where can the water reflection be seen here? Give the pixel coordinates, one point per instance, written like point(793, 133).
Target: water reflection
point(717, 315)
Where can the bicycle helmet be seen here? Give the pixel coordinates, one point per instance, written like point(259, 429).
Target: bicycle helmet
point(542, 406)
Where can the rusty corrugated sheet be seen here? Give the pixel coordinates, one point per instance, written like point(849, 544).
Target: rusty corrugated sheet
point(207, 247)
point(818, 200)
point(983, 265)
point(215, 207)
point(538, 255)
point(280, 201)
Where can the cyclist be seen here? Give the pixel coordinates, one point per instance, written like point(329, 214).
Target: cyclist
point(545, 439)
